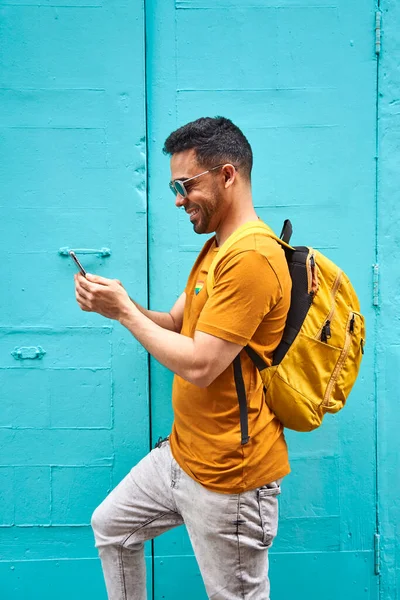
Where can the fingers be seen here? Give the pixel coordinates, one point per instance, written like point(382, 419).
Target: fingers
point(88, 281)
point(88, 292)
point(82, 298)
point(83, 283)
point(97, 279)
point(82, 295)
point(81, 302)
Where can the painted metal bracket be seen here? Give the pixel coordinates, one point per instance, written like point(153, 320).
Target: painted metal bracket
point(378, 21)
point(64, 251)
point(28, 352)
point(375, 285)
point(377, 549)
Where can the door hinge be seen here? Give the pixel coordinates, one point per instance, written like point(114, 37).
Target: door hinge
point(375, 289)
point(378, 20)
point(377, 550)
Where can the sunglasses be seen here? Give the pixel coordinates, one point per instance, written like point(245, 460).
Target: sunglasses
point(177, 186)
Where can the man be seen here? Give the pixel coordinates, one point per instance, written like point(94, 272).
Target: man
point(225, 491)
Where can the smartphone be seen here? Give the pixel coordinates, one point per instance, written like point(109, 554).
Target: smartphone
point(78, 264)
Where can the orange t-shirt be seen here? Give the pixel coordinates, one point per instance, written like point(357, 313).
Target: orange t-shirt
point(248, 306)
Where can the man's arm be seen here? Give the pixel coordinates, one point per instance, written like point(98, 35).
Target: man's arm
point(237, 304)
point(200, 360)
point(172, 320)
point(243, 293)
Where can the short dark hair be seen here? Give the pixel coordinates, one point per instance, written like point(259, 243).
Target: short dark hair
point(215, 140)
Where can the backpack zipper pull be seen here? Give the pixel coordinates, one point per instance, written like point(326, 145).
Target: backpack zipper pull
point(312, 265)
point(362, 346)
point(326, 332)
point(352, 324)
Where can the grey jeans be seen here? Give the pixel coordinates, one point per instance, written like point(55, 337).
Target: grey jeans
point(230, 533)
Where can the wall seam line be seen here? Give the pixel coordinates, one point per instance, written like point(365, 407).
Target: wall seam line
point(147, 181)
point(377, 308)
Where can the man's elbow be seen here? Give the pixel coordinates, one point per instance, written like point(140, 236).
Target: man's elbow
point(203, 382)
point(201, 377)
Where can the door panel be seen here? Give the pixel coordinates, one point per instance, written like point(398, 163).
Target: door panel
point(301, 83)
point(74, 385)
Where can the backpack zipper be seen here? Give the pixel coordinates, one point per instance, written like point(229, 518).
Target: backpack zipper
point(310, 271)
point(326, 332)
point(342, 359)
point(328, 319)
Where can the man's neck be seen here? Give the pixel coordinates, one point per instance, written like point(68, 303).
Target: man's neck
point(233, 222)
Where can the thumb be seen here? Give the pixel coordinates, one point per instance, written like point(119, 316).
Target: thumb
point(97, 279)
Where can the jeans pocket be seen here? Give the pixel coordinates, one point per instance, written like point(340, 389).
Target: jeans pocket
point(269, 513)
point(161, 441)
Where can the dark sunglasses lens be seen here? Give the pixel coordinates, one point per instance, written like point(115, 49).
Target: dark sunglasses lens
point(172, 188)
point(180, 188)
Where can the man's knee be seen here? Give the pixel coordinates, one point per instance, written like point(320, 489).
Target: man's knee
point(101, 522)
point(110, 530)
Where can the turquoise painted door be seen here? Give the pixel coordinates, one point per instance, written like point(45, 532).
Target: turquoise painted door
point(300, 80)
point(74, 386)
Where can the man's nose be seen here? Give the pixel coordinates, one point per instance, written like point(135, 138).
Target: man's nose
point(180, 201)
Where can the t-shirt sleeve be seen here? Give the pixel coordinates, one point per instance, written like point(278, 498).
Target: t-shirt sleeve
point(246, 288)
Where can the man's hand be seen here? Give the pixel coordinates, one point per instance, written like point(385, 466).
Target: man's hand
point(107, 297)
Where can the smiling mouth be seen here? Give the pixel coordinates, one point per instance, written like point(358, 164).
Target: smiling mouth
point(193, 213)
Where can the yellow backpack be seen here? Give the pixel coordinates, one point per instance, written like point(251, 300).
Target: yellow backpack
point(317, 361)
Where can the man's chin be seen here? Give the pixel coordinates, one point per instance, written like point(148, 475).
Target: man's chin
point(199, 228)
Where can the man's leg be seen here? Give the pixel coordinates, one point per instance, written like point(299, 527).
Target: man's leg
point(230, 535)
point(138, 509)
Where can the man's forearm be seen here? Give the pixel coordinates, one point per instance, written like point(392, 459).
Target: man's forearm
point(171, 349)
point(162, 319)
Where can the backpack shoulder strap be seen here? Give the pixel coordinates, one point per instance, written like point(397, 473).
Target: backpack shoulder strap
point(245, 230)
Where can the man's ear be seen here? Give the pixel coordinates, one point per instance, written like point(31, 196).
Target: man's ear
point(229, 175)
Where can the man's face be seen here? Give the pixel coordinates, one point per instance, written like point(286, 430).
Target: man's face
point(205, 200)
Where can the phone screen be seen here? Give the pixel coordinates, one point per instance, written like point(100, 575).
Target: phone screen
point(78, 264)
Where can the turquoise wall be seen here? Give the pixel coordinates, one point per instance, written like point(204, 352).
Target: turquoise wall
point(388, 258)
point(301, 82)
point(72, 175)
point(89, 89)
